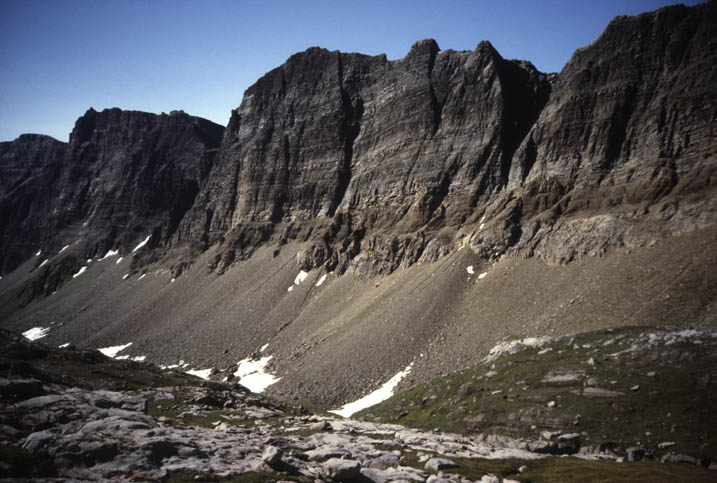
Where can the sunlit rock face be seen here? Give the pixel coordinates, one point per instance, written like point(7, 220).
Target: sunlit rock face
point(371, 158)
point(352, 150)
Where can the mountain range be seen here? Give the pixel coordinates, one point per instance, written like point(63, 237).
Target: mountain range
point(359, 217)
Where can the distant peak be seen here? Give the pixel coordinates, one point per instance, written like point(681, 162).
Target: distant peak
point(485, 47)
point(309, 53)
point(424, 46)
point(84, 126)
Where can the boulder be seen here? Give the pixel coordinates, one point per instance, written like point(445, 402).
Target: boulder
point(272, 456)
point(320, 426)
point(435, 464)
point(384, 461)
point(36, 441)
point(342, 470)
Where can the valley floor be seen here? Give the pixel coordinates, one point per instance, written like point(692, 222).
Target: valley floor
point(334, 339)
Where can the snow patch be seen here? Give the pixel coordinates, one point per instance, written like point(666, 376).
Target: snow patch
point(139, 358)
point(66, 344)
point(252, 374)
point(114, 350)
point(142, 276)
point(82, 270)
point(142, 243)
point(63, 249)
point(36, 333)
point(482, 275)
point(321, 280)
point(43, 263)
point(118, 261)
point(470, 270)
point(203, 373)
point(110, 253)
point(513, 346)
point(300, 277)
point(172, 281)
point(263, 348)
point(381, 394)
point(126, 276)
point(39, 252)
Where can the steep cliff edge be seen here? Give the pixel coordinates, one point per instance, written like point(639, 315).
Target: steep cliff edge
point(362, 155)
point(627, 136)
point(123, 176)
point(380, 164)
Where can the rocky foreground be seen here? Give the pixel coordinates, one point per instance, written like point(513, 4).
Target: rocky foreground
point(72, 414)
point(102, 434)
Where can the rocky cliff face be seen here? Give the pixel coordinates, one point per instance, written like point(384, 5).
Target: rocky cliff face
point(27, 166)
point(630, 131)
point(123, 176)
point(383, 163)
point(379, 164)
point(337, 147)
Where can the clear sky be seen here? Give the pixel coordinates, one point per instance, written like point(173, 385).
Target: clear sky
point(60, 57)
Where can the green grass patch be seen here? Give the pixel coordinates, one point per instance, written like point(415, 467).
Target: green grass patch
point(665, 394)
point(603, 471)
point(570, 469)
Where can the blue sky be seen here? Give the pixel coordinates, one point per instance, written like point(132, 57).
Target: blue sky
point(60, 57)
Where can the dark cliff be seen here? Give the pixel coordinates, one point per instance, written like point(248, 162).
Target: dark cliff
point(629, 130)
point(358, 152)
point(123, 176)
point(381, 164)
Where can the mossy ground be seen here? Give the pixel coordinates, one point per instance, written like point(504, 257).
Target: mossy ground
point(88, 369)
point(662, 394)
point(569, 469)
point(548, 470)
